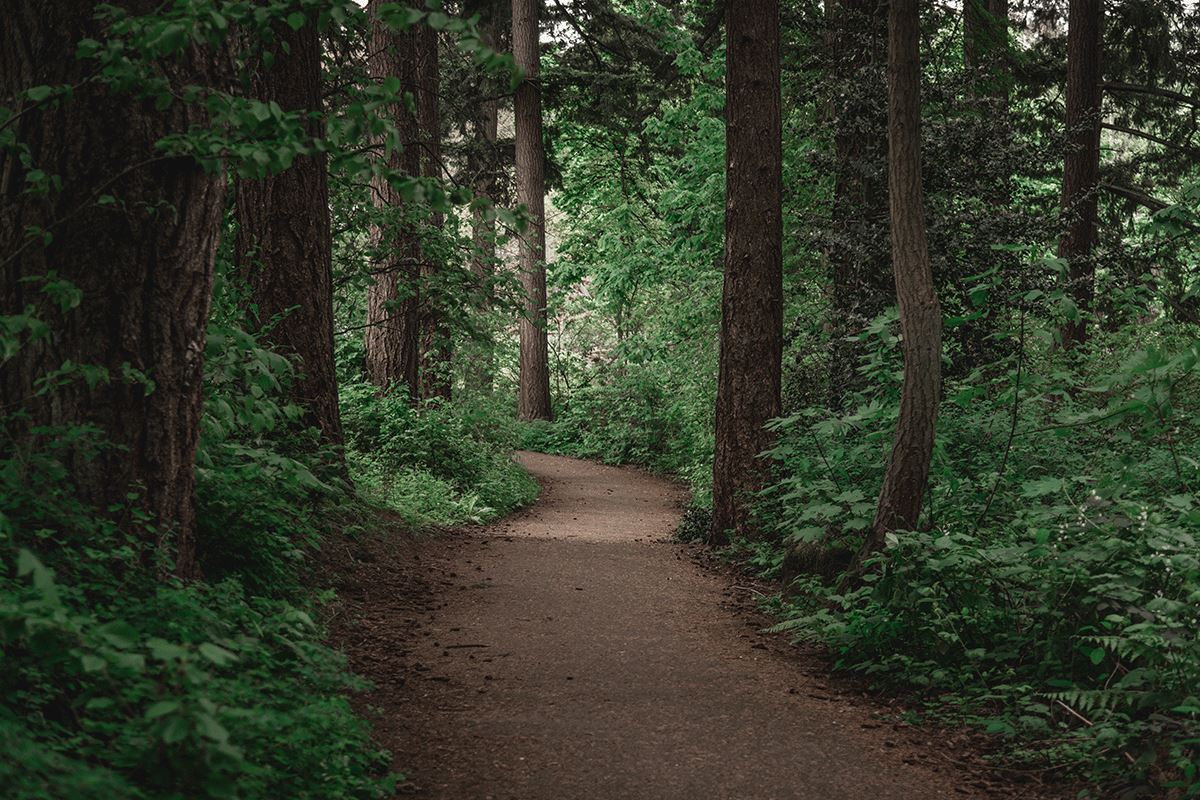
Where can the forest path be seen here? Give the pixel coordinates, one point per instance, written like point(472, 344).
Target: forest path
point(573, 651)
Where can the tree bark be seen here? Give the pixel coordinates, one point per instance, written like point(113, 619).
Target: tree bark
point(435, 338)
point(860, 273)
point(748, 383)
point(143, 262)
point(393, 300)
point(907, 472)
point(989, 79)
point(284, 243)
point(985, 35)
point(484, 169)
point(1081, 170)
point(534, 391)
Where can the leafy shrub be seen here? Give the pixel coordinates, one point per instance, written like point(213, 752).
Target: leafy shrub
point(433, 465)
point(1054, 598)
point(118, 685)
point(262, 477)
point(629, 419)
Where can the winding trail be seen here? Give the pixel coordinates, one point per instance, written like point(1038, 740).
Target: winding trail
point(573, 652)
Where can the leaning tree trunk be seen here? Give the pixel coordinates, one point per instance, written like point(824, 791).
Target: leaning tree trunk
point(920, 315)
point(1081, 171)
point(393, 326)
point(435, 338)
point(284, 242)
point(534, 397)
point(136, 231)
point(859, 269)
point(748, 384)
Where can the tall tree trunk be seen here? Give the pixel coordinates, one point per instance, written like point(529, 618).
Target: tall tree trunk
point(435, 338)
point(985, 39)
point(748, 384)
point(534, 397)
point(484, 169)
point(989, 77)
point(920, 315)
point(142, 262)
point(284, 244)
point(860, 272)
point(1081, 172)
point(393, 302)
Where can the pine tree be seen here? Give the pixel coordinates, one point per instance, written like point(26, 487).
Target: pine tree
point(393, 325)
point(907, 473)
point(1081, 170)
point(135, 232)
point(749, 379)
point(534, 399)
point(284, 242)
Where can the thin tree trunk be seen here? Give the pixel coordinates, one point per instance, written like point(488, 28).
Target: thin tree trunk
point(989, 77)
point(393, 325)
point(985, 40)
point(435, 338)
point(748, 384)
point(860, 273)
point(907, 473)
point(1081, 172)
point(484, 169)
point(534, 397)
point(284, 244)
point(986, 53)
point(143, 262)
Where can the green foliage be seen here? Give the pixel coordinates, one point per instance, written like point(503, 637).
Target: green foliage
point(167, 691)
point(118, 681)
point(1054, 597)
point(257, 467)
point(1055, 577)
point(116, 684)
point(436, 465)
point(631, 421)
point(642, 192)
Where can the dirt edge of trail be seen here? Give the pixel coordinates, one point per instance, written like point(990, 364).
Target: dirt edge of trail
point(446, 630)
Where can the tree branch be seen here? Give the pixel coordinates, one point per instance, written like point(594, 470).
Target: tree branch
point(1154, 91)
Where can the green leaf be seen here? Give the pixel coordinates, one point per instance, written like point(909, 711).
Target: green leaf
point(175, 730)
point(165, 651)
point(92, 663)
point(1042, 487)
point(172, 37)
point(208, 727)
point(119, 634)
point(217, 654)
point(162, 708)
point(130, 661)
point(27, 562)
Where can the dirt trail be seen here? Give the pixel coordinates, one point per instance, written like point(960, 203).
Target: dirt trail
point(573, 652)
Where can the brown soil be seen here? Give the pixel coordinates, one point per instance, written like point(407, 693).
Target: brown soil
point(573, 651)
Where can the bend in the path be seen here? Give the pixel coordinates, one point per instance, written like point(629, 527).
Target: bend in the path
point(579, 655)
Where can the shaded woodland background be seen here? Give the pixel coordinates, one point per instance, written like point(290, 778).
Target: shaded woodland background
point(280, 273)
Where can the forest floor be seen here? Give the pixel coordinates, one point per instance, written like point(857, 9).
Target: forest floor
point(575, 651)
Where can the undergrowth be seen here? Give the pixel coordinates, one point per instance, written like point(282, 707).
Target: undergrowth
point(439, 465)
point(117, 683)
point(1053, 598)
